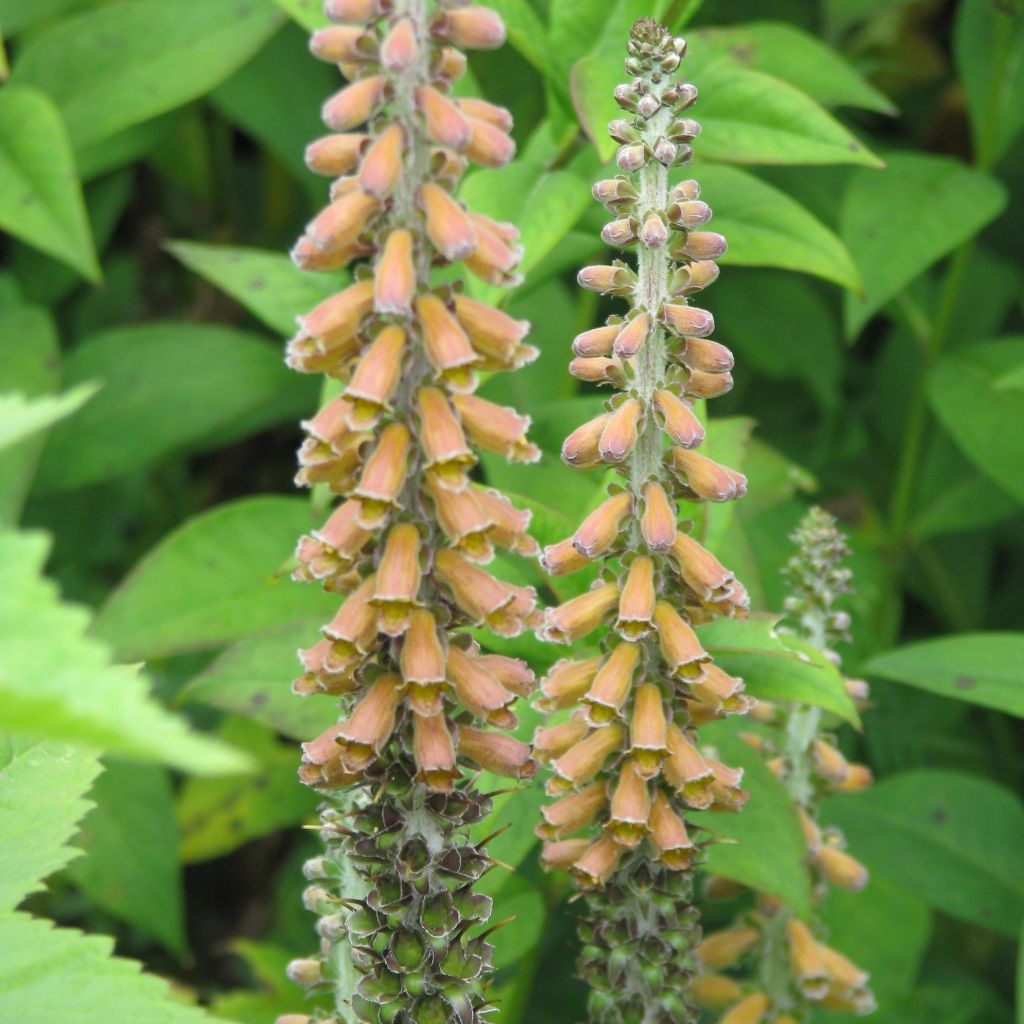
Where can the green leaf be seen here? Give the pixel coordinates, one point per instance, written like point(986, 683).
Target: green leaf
point(526, 32)
point(56, 683)
point(267, 283)
point(308, 13)
point(953, 840)
point(221, 576)
point(221, 384)
point(766, 228)
point(40, 194)
point(884, 930)
point(117, 65)
point(796, 57)
point(898, 223)
point(524, 904)
point(976, 395)
point(981, 668)
point(21, 417)
point(130, 841)
point(1020, 978)
point(51, 975)
point(251, 678)
point(16, 15)
point(776, 666)
point(36, 832)
point(988, 43)
point(763, 846)
point(217, 816)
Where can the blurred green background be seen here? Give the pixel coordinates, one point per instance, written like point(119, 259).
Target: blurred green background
point(861, 156)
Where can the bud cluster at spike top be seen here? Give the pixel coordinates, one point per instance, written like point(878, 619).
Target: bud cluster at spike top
point(769, 965)
point(625, 758)
point(405, 548)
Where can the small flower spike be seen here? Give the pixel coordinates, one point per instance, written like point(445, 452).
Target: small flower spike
point(769, 942)
point(422, 708)
point(628, 766)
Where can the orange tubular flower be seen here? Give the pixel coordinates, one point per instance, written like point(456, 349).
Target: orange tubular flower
point(634, 730)
point(405, 546)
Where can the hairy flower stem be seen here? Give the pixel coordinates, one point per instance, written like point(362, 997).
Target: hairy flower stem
point(791, 969)
point(627, 763)
point(394, 890)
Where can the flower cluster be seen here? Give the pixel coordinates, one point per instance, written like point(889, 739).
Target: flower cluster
point(626, 762)
point(788, 967)
point(405, 547)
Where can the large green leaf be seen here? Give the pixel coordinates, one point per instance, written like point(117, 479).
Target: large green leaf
point(112, 67)
point(953, 840)
point(982, 668)
point(221, 576)
point(51, 975)
point(763, 846)
point(251, 678)
point(988, 43)
point(217, 815)
point(56, 683)
point(16, 15)
point(793, 55)
point(130, 841)
point(777, 666)
point(766, 228)
point(308, 13)
point(167, 387)
point(40, 194)
point(898, 223)
point(267, 283)
point(36, 831)
point(978, 394)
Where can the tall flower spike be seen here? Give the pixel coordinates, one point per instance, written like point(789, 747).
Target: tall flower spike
point(776, 960)
point(628, 765)
point(422, 708)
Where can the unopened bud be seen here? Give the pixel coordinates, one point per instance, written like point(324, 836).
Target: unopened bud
point(665, 152)
point(632, 157)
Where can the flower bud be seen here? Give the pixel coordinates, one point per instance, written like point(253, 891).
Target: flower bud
point(599, 371)
point(632, 335)
point(580, 616)
point(446, 344)
point(722, 949)
point(596, 342)
point(463, 520)
point(687, 771)
point(495, 257)
point(470, 28)
point(496, 428)
point(830, 762)
point(805, 960)
point(580, 448)
point(355, 104)
point(481, 110)
point(686, 320)
point(688, 214)
point(648, 731)
point(572, 812)
point(563, 559)
point(683, 654)
point(631, 157)
point(382, 166)
point(447, 457)
point(494, 334)
point(479, 691)
point(334, 155)
point(375, 378)
point(658, 522)
point(483, 598)
point(620, 431)
point(636, 602)
point(509, 524)
point(566, 682)
point(398, 579)
point(654, 233)
point(555, 740)
point(704, 245)
point(858, 779)
point(448, 225)
point(630, 807)
point(488, 145)
point(615, 193)
point(707, 385)
point(585, 759)
point(305, 973)
point(614, 280)
point(353, 629)
point(620, 233)
point(708, 480)
point(841, 869)
point(667, 153)
point(597, 864)
point(750, 1010)
point(675, 849)
point(678, 419)
point(496, 752)
point(434, 752)
point(371, 723)
point(340, 44)
point(357, 12)
point(394, 276)
point(383, 476)
point(610, 688)
point(562, 855)
point(706, 356)
point(445, 123)
point(715, 991)
point(600, 529)
point(341, 223)
point(400, 49)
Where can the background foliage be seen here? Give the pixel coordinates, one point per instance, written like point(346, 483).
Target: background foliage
point(860, 157)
